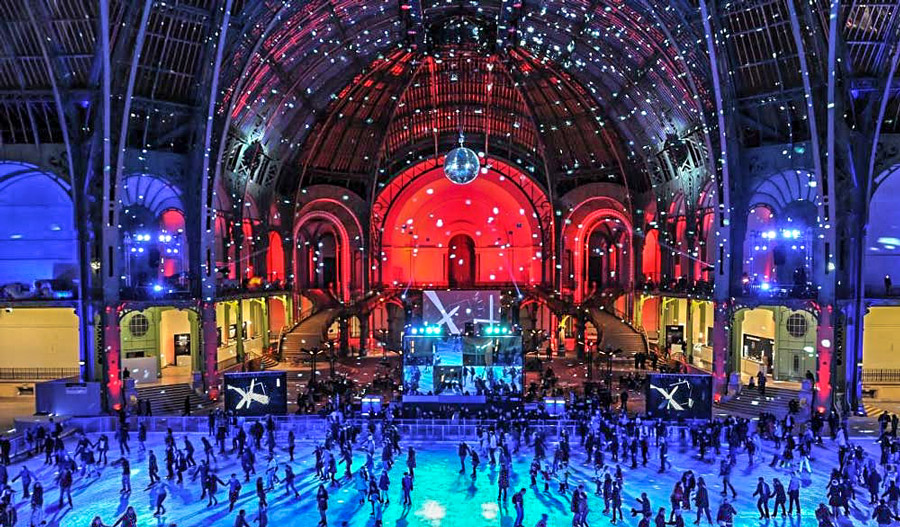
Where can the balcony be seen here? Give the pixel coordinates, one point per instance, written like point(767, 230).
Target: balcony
point(680, 287)
point(40, 291)
point(756, 289)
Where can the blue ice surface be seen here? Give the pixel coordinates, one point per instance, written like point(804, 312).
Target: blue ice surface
point(441, 496)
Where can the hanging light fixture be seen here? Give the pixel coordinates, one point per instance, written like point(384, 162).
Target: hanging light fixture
point(461, 165)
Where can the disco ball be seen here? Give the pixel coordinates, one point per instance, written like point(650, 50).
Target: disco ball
point(461, 165)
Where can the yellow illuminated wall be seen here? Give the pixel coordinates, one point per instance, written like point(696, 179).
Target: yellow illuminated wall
point(39, 338)
point(881, 338)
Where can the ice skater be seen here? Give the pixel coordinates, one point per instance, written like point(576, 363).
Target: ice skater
point(27, 476)
point(406, 485)
point(37, 505)
point(518, 500)
point(701, 500)
point(126, 474)
point(161, 495)
point(764, 492)
point(241, 519)
point(234, 491)
point(211, 484)
point(128, 519)
point(289, 478)
point(322, 504)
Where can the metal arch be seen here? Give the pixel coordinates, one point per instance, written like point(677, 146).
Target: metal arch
point(396, 58)
point(129, 92)
point(57, 99)
point(543, 209)
point(574, 89)
point(711, 167)
point(824, 179)
point(390, 122)
point(206, 196)
point(314, 66)
point(357, 86)
point(28, 170)
point(340, 206)
point(207, 258)
point(723, 182)
point(658, 50)
point(148, 182)
point(517, 86)
point(876, 134)
point(526, 58)
point(782, 190)
point(329, 4)
point(607, 109)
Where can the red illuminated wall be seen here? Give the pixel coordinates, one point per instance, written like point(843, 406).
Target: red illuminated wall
point(172, 222)
point(430, 210)
point(275, 258)
point(596, 212)
point(651, 258)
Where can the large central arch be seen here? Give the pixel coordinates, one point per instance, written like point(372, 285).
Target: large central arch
point(503, 211)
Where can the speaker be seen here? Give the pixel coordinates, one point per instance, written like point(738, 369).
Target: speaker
point(779, 255)
point(153, 258)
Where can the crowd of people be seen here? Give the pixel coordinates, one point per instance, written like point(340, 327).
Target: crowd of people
point(605, 444)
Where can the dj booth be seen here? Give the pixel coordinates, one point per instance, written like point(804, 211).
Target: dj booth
point(461, 369)
point(461, 352)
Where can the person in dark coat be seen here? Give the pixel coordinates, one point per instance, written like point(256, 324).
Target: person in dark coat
point(823, 516)
point(503, 483)
point(411, 461)
point(883, 515)
point(406, 485)
point(701, 500)
point(764, 492)
point(322, 504)
point(780, 498)
point(726, 513)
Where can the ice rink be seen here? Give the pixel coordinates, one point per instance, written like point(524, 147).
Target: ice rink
point(441, 497)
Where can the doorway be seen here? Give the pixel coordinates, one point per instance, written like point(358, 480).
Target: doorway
point(461, 261)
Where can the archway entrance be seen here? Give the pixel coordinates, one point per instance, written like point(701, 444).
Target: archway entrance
point(777, 340)
point(161, 345)
point(461, 261)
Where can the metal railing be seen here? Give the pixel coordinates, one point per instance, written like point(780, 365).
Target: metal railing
point(881, 376)
point(37, 374)
point(316, 427)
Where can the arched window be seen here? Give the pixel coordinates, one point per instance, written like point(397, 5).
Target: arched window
point(154, 239)
point(461, 261)
point(780, 240)
point(38, 236)
point(882, 263)
point(275, 258)
point(650, 257)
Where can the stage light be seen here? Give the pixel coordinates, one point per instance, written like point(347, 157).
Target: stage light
point(412, 331)
point(157, 288)
point(765, 286)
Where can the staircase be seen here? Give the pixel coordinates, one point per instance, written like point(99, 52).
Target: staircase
point(169, 399)
point(749, 403)
point(308, 334)
point(268, 361)
point(617, 334)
